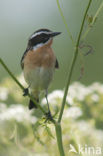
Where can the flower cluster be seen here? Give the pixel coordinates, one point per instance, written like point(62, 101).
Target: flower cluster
point(81, 124)
point(17, 112)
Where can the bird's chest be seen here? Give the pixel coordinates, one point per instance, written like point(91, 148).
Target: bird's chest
point(39, 68)
point(40, 58)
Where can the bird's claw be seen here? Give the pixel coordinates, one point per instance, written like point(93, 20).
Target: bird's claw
point(25, 92)
point(48, 116)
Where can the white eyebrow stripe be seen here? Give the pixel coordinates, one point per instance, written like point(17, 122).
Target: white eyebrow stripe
point(38, 33)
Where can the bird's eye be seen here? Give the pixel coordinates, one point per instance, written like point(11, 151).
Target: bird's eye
point(45, 39)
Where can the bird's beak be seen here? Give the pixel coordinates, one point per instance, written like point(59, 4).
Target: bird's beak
point(53, 34)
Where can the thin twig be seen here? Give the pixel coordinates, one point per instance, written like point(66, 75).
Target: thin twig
point(65, 23)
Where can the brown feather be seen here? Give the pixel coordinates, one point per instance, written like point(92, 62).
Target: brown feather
point(43, 56)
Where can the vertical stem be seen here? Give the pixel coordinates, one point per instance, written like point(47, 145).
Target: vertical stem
point(59, 138)
point(73, 63)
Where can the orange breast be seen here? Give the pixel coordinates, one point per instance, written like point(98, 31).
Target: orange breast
point(42, 57)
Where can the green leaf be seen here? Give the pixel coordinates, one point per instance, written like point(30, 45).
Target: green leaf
point(49, 131)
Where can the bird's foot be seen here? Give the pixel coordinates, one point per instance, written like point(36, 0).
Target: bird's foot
point(48, 116)
point(25, 92)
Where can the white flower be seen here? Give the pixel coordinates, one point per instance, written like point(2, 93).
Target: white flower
point(97, 87)
point(78, 91)
point(3, 93)
point(72, 112)
point(54, 97)
point(18, 113)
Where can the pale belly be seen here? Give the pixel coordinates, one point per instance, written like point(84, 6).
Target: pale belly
point(39, 78)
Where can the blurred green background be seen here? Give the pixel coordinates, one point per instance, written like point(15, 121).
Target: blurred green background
point(23, 132)
point(19, 19)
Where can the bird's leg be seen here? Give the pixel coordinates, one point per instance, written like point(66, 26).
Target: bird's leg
point(46, 94)
point(48, 114)
point(26, 91)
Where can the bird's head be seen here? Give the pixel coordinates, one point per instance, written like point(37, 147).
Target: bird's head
point(41, 37)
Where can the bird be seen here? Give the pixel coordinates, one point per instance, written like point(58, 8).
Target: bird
point(39, 63)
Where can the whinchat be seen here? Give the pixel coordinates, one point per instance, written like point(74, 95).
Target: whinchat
point(39, 62)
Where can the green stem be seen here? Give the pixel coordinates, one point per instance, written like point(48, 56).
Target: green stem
point(65, 23)
point(11, 74)
point(59, 138)
point(93, 21)
point(20, 85)
point(73, 63)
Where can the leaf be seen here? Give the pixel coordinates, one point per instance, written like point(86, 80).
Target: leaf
point(36, 134)
point(49, 131)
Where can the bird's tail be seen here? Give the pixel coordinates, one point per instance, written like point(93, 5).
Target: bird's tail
point(32, 105)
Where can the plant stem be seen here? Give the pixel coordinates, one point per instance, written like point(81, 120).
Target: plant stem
point(59, 138)
point(73, 63)
point(20, 85)
point(58, 124)
point(65, 23)
point(93, 21)
point(11, 74)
